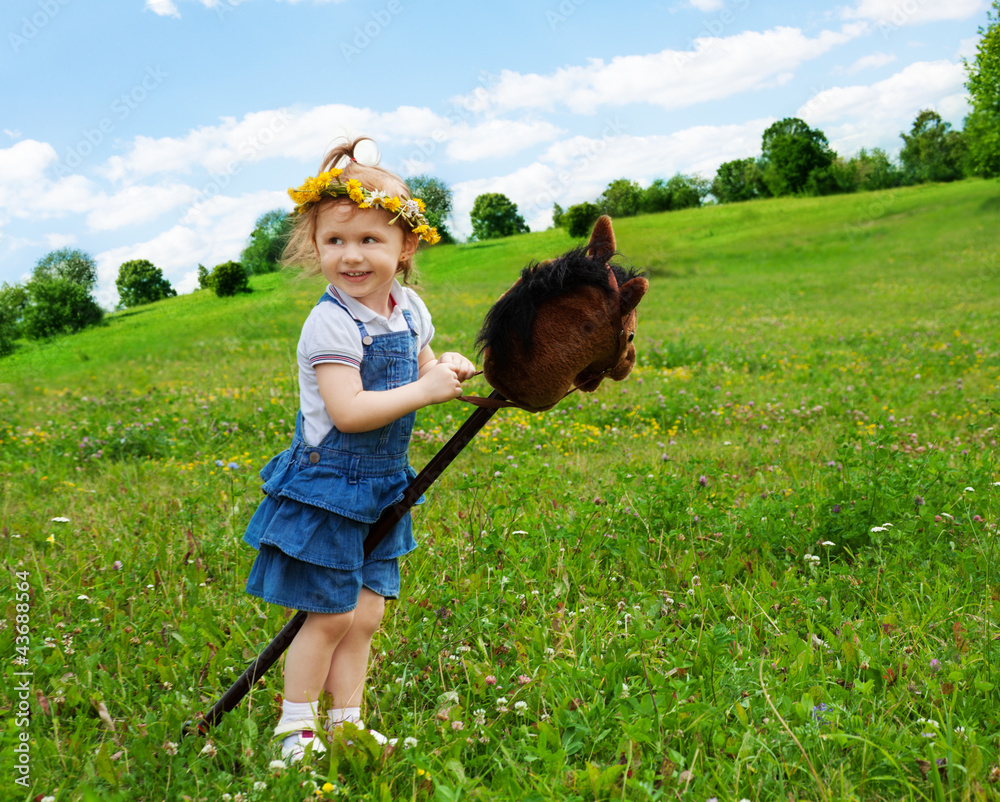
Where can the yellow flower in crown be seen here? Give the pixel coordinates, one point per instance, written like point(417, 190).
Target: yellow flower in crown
point(355, 191)
point(329, 184)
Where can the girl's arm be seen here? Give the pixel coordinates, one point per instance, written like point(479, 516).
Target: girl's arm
point(354, 409)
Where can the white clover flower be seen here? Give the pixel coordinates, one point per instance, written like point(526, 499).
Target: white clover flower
point(209, 749)
point(409, 742)
point(520, 707)
point(277, 765)
point(60, 520)
point(479, 717)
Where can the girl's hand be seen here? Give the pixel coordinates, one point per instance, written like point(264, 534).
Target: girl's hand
point(441, 383)
point(464, 368)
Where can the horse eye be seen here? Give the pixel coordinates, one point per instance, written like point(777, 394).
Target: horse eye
point(631, 336)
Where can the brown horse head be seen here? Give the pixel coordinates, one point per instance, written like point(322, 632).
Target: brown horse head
point(565, 325)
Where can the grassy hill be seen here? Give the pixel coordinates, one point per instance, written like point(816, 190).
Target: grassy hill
point(765, 566)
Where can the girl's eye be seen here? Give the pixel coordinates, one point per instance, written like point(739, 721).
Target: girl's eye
point(631, 336)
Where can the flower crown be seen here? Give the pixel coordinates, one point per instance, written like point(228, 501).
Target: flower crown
point(329, 184)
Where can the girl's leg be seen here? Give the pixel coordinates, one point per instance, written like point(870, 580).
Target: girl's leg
point(348, 666)
point(307, 662)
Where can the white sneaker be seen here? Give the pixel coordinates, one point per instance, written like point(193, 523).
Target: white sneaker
point(300, 737)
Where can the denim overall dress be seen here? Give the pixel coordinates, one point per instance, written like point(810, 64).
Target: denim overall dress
point(321, 500)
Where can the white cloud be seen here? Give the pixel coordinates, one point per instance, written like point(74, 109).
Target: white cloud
point(718, 67)
point(859, 116)
point(708, 6)
point(497, 138)
point(163, 8)
point(25, 161)
point(56, 241)
point(898, 13)
point(138, 204)
point(871, 61)
point(578, 168)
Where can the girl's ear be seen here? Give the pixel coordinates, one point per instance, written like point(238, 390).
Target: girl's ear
point(410, 243)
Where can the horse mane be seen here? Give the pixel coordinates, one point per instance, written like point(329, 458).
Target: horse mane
point(512, 317)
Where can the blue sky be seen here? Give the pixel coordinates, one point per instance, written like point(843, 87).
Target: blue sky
point(161, 129)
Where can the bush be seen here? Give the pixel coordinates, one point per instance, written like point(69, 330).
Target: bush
point(578, 219)
point(228, 279)
point(141, 282)
point(58, 306)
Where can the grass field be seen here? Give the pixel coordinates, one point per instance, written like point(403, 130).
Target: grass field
point(763, 567)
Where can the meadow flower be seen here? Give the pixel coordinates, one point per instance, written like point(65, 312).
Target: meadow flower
point(277, 765)
point(479, 717)
point(523, 679)
point(520, 707)
point(457, 725)
point(170, 748)
point(209, 749)
point(502, 705)
point(409, 742)
point(490, 680)
point(60, 520)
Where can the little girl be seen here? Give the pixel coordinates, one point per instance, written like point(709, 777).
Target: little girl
point(365, 367)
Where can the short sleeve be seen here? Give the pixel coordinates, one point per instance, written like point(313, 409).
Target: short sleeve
point(330, 335)
point(425, 327)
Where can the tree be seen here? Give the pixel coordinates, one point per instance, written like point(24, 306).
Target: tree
point(267, 241)
point(557, 215)
point(141, 282)
point(790, 151)
point(982, 126)
point(580, 218)
point(59, 296)
point(739, 180)
point(58, 306)
point(621, 198)
point(495, 215)
point(228, 279)
point(437, 199)
point(874, 170)
point(932, 151)
point(13, 302)
point(687, 191)
point(71, 264)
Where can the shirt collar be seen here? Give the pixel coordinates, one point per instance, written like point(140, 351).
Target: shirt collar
point(361, 312)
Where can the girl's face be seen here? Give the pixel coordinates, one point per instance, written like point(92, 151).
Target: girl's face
point(359, 252)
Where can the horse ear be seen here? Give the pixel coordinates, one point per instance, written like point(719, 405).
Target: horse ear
point(602, 240)
point(632, 292)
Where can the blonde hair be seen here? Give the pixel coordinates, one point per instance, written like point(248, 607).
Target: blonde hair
point(300, 251)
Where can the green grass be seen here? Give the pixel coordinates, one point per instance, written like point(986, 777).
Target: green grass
point(764, 567)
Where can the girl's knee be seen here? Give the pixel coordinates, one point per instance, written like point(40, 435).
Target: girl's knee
point(331, 626)
point(369, 612)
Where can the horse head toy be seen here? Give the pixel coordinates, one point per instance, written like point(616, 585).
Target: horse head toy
point(566, 324)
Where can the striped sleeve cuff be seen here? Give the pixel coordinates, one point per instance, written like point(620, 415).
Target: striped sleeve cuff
point(341, 359)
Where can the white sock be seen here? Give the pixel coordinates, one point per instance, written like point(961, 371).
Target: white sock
point(338, 715)
point(297, 711)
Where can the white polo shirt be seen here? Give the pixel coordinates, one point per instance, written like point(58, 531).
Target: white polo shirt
point(331, 335)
